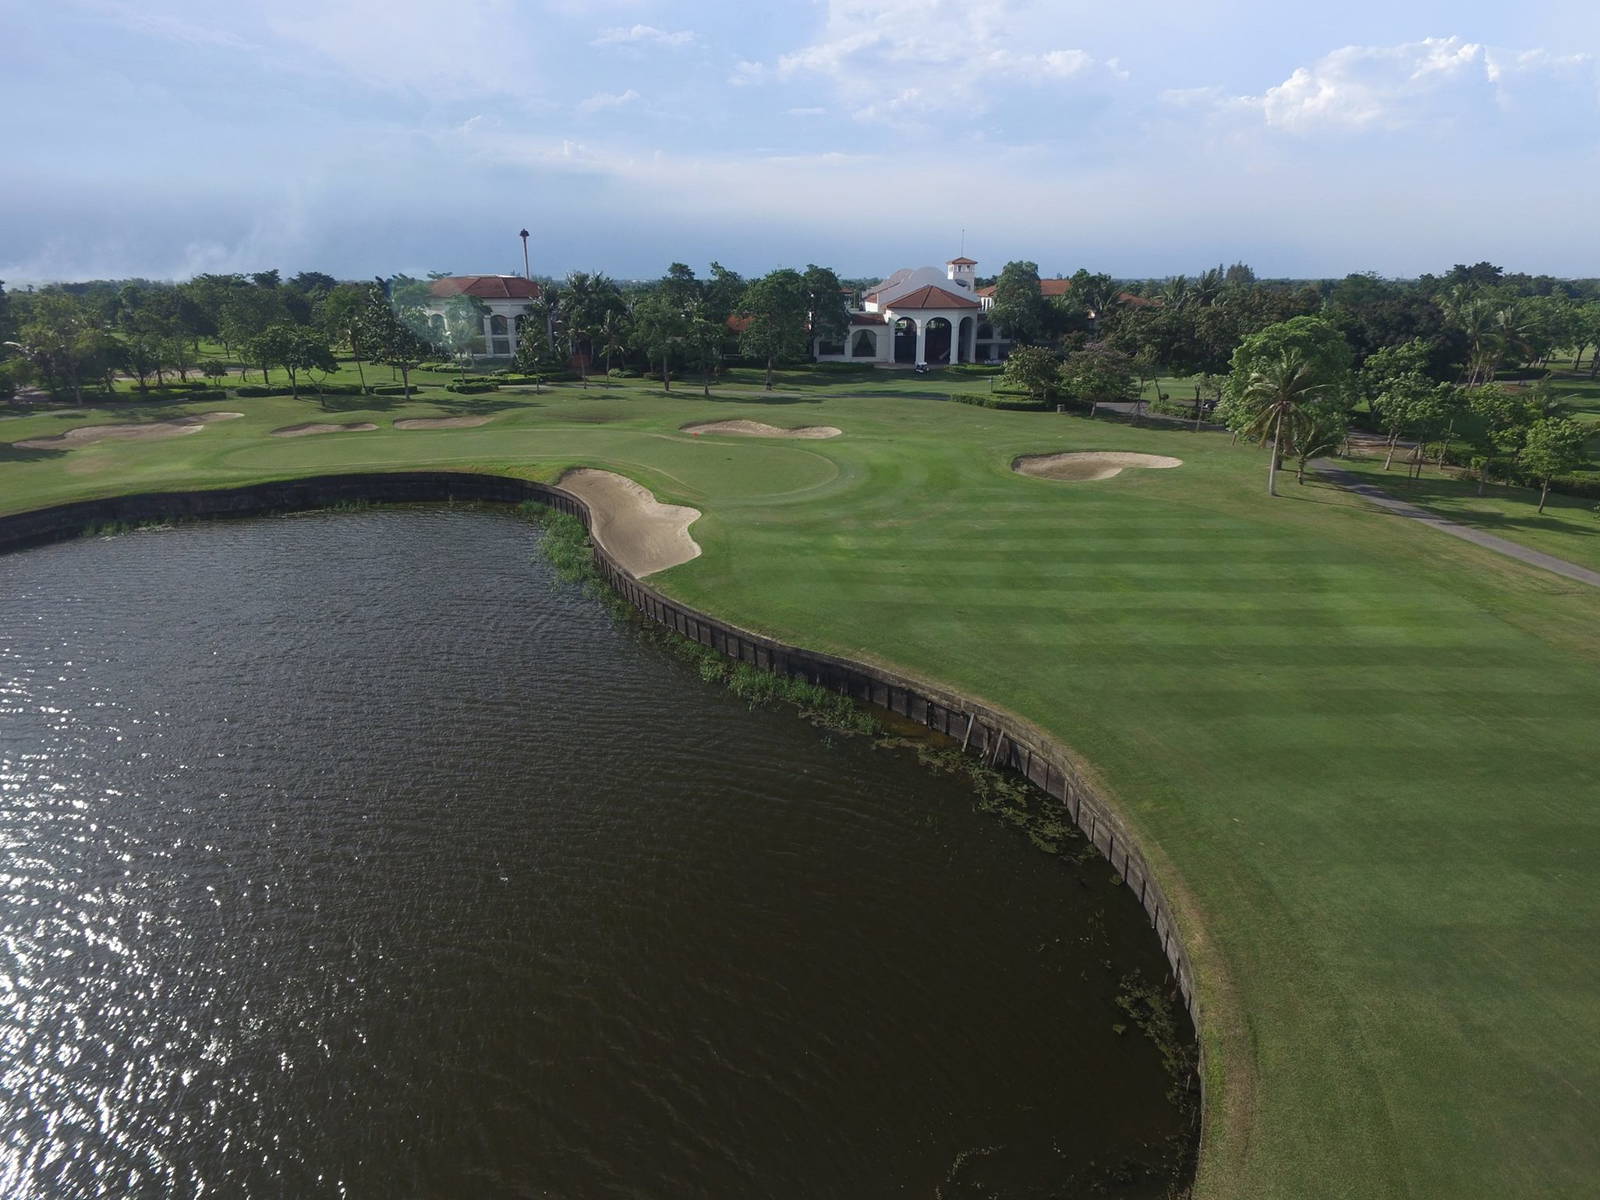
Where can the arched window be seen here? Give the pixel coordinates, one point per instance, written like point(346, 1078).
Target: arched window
point(864, 345)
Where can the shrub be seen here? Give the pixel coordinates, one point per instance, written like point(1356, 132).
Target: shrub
point(396, 389)
point(623, 373)
point(306, 389)
point(472, 388)
point(1173, 408)
point(1008, 401)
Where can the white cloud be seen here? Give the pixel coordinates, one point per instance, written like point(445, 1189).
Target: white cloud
point(601, 101)
point(634, 35)
point(746, 72)
point(908, 59)
point(1439, 83)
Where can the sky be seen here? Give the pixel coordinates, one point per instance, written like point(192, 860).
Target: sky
point(161, 138)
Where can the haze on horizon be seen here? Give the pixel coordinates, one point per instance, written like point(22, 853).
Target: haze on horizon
point(166, 137)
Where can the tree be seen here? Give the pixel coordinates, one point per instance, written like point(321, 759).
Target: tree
point(339, 315)
point(1553, 445)
point(1033, 369)
point(395, 328)
point(1097, 374)
point(245, 312)
point(1273, 400)
point(704, 338)
point(462, 327)
point(1319, 345)
point(1018, 307)
point(1323, 426)
point(721, 293)
point(659, 331)
point(827, 311)
point(1415, 404)
point(613, 334)
point(313, 284)
point(586, 302)
point(679, 287)
point(776, 308)
point(300, 348)
point(63, 343)
point(145, 337)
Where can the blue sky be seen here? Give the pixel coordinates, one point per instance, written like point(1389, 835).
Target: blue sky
point(166, 137)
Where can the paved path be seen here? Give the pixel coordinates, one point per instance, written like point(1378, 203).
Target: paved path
point(1358, 485)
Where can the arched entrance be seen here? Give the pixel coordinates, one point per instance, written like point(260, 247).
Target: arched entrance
point(937, 342)
point(864, 344)
point(905, 340)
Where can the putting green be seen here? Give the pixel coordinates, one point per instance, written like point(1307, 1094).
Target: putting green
point(1359, 754)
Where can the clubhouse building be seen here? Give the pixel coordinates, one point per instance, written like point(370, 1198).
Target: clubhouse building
point(505, 297)
point(920, 315)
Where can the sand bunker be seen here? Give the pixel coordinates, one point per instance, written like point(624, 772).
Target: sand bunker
point(148, 431)
point(761, 429)
point(321, 427)
point(440, 422)
point(634, 527)
point(1088, 464)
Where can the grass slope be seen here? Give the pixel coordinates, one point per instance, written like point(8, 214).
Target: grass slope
point(1360, 754)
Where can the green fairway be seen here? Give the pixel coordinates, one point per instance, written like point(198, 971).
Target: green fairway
point(1361, 755)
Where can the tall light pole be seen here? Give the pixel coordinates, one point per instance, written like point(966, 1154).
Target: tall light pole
point(526, 274)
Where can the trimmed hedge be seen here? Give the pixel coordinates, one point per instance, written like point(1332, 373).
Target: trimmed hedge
point(1004, 402)
point(472, 388)
point(306, 389)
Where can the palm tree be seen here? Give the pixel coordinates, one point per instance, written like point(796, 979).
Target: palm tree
point(1275, 399)
point(1473, 315)
point(613, 337)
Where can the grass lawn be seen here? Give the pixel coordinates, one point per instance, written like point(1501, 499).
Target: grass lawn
point(1361, 755)
point(1569, 527)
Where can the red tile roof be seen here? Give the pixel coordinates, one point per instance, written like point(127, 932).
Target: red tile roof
point(1050, 288)
point(866, 318)
point(932, 297)
point(486, 287)
point(962, 262)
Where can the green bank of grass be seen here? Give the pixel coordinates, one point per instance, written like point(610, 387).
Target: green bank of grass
point(1360, 754)
point(1569, 527)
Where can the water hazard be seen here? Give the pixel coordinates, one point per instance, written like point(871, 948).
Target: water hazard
point(355, 855)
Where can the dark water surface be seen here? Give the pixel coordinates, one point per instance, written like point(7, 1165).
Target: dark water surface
point(355, 855)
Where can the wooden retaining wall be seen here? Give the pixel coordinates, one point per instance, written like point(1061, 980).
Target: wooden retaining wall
point(979, 729)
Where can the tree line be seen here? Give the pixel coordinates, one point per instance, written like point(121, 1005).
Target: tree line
point(70, 338)
point(1460, 357)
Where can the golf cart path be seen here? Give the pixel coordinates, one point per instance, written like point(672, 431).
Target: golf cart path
point(1549, 562)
